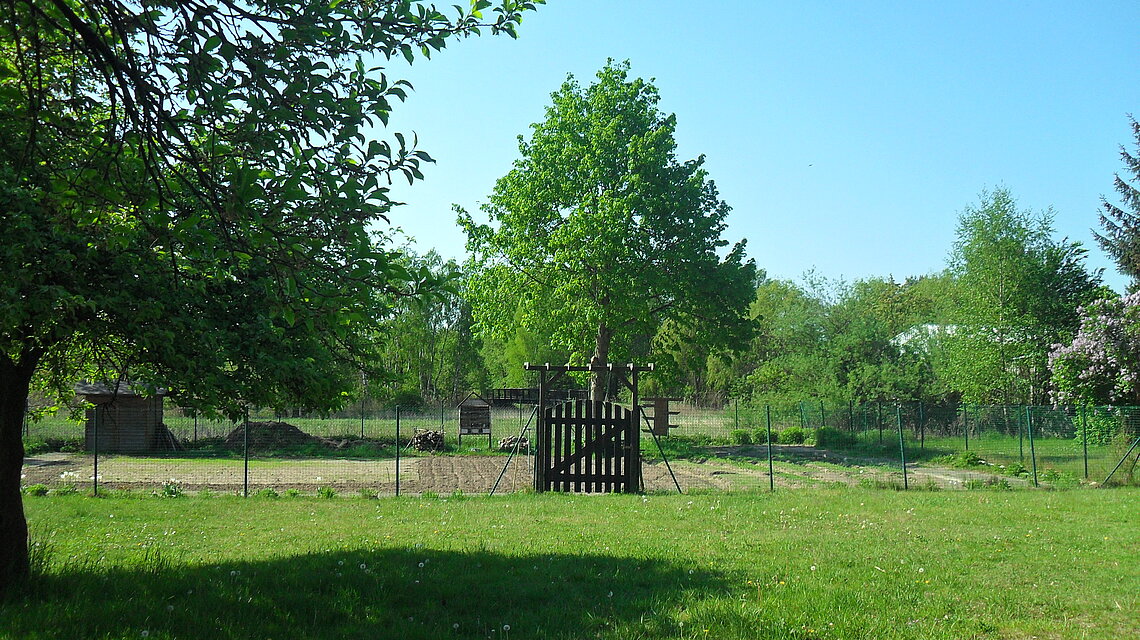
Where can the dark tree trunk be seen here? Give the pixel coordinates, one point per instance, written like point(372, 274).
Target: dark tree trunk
point(15, 379)
point(601, 356)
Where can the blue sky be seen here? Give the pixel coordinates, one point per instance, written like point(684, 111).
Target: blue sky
point(847, 137)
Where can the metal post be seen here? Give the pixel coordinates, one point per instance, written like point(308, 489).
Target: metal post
point(95, 447)
point(1020, 440)
point(921, 425)
point(966, 424)
point(803, 418)
point(902, 445)
point(822, 414)
point(1032, 452)
point(768, 419)
point(397, 450)
point(362, 416)
point(245, 455)
point(1085, 440)
point(851, 415)
point(195, 427)
point(879, 412)
point(736, 407)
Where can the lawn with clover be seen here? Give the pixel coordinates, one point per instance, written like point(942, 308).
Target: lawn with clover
point(826, 563)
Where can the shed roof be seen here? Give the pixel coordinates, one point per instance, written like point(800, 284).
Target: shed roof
point(121, 388)
point(474, 400)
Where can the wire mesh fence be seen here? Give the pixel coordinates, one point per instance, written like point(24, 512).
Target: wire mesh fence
point(373, 451)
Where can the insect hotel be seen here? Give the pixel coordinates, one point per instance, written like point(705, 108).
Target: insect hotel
point(475, 417)
point(123, 420)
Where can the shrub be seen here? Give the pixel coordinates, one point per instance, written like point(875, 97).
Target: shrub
point(832, 438)
point(326, 492)
point(268, 492)
point(170, 489)
point(1015, 469)
point(740, 436)
point(38, 490)
point(960, 460)
point(292, 493)
point(998, 484)
point(792, 435)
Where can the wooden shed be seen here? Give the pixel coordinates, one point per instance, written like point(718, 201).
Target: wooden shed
point(475, 417)
point(125, 420)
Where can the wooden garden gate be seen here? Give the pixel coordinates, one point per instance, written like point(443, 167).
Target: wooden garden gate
point(589, 447)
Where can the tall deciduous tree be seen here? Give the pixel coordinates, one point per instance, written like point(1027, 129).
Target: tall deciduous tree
point(186, 190)
point(602, 231)
point(1121, 224)
point(1019, 293)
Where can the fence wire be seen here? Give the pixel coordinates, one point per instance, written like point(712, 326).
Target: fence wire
point(372, 451)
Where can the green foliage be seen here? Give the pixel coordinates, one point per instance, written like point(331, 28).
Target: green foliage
point(268, 492)
point(740, 436)
point(37, 490)
point(292, 493)
point(793, 435)
point(1019, 293)
point(992, 483)
point(326, 492)
point(832, 438)
point(1120, 238)
point(65, 490)
point(368, 494)
point(599, 234)
point(1014, 470)
point(1097, 427)
point(960, 460)
point(170, 489)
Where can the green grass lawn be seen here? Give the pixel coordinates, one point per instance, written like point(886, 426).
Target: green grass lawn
point(816, 564)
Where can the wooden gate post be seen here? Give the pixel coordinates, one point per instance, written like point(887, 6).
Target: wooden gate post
point(633, 483)
point(541, 458)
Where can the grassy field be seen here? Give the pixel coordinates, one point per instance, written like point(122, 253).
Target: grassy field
point(850, 563)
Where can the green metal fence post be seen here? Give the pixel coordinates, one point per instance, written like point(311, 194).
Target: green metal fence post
point(397, 451)
point(902, 445)
point(1020, 441)
point(736, 409)
point(851, 415)
point(771, 476)
point(95, 450)
point(921, 425)
point(966, 424)
point(822, 414)
point(1085, 440)
point(1032, 452)
point(245, 456)
point(362, 416)
point(803, 418)
point(879, 411)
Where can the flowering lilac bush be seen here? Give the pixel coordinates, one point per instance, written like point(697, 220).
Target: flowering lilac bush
point(1102, 363)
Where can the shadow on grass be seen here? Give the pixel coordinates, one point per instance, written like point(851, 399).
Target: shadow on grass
point(358, 594)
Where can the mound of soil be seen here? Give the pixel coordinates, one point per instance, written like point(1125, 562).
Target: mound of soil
point(272, 435)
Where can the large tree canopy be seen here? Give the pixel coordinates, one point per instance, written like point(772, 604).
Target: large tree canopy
point(186, 193)
point(601, 232)
point(1019, 291)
